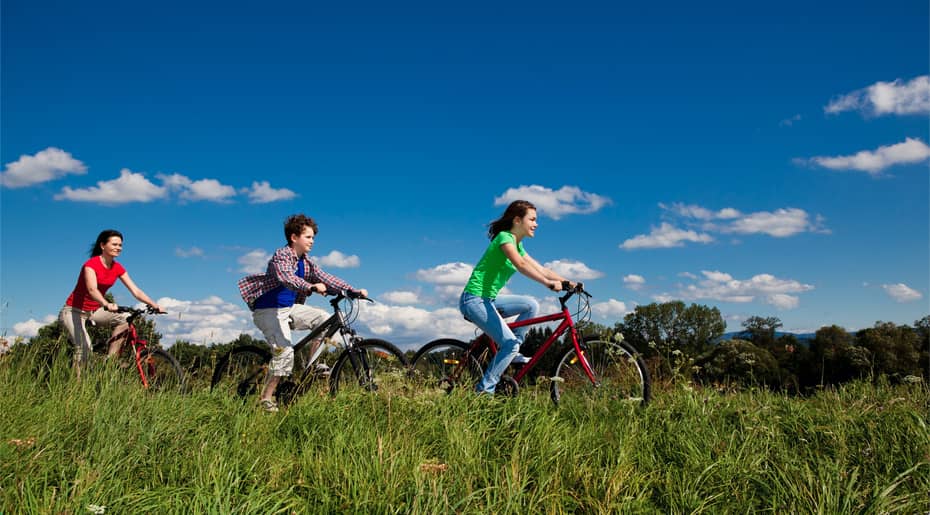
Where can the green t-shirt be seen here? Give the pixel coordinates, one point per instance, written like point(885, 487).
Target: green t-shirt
point(494, 269)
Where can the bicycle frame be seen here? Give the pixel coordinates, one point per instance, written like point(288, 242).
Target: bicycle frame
point(567, 325)
point(138, 346)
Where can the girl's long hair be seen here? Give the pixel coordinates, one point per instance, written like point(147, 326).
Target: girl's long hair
point(102, 238)
point(517, 208)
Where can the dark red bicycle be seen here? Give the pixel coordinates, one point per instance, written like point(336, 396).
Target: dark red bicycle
point(588, 368)
point(157, 369)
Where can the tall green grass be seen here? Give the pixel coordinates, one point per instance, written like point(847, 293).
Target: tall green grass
point(105, 444)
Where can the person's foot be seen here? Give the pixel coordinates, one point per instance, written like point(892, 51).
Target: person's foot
point(269, 406)
point(520, 359)
point(322, 369)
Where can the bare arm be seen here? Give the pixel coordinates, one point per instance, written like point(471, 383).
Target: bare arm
point(90, 280)
point(137, 292)
point(530, 268)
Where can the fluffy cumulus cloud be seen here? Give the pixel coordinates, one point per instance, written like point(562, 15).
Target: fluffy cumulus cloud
point(410, 327)
point(665, 236)
point(766, 288)
point(46, 165)
point(337, 259)
point(697, 224)
point(555, 203)
point(128, 187)
point(455, 274)
point(885, 98)
point(612, 310)
point(210, 190)
point(634, 282)
point(31, 327)
point(254, 262)
point(573, 270)
point(261, 192)
point(400, 297)
point(203, 322)
point(902, 293)
point(874, 162)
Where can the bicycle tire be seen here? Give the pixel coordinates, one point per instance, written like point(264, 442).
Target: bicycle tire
point(620, 371)
point(379, 366)
point(241, 371)
point(162, 372)
point(439, 365)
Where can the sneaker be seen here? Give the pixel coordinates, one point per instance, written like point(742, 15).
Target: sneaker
point(269, 406)
point(321, 369)
point(520, 359)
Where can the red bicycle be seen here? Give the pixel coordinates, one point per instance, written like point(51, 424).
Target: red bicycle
point(157, 369)
point(587, 368)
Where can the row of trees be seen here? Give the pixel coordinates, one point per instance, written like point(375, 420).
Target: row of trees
point(680, 343)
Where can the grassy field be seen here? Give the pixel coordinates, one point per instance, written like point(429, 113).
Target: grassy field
point(106, 446)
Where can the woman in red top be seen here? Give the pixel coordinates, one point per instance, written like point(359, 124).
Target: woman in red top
point(87, 301)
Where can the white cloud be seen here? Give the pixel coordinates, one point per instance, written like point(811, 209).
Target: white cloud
point(210, 190)
point(780, 223)
point(186, 253)
point(401, 297)
point(261, 192)
point(203, 322)
point(30, 328)
point(634, 282)
point(338, 260)
point(897, 97)
point(454, 274)
point(46, 165)
point(254, 262)
point(723, 287)
point(911, 150)
point(129, 187)
point(555, 203)
point(573, 270)
point(902, 293)
point(665, 236)
point(612, 309)
point(411, 327)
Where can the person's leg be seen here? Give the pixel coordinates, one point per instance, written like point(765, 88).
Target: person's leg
point(308, 318)
point(74, 320)
point(118, 325)
point(274, 323)
point(524, 306)
point(483, 313)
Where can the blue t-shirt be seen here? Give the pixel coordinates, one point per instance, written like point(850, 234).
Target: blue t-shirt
point(280, 297)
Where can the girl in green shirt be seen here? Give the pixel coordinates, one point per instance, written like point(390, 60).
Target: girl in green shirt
point(480, 302)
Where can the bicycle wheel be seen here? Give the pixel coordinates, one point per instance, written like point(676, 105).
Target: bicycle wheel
point(442, 364)
point(161, 371)
point(618, 369)
point(370, 365)
point(241, 372)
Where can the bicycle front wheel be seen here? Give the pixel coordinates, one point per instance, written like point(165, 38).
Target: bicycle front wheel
point(443, 365)
point(241, 372)
point(161, 372)
point(368, 366)
point(619, 374)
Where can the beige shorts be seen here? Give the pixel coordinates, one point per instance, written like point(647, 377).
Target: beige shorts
point(276, 324)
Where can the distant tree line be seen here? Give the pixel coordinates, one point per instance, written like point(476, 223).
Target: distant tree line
point(681, 343)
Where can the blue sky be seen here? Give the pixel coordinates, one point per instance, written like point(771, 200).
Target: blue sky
point(767, 160)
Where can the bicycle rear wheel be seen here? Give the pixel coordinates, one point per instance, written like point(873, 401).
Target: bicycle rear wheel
point(618, 369)
point(161, 371)
point(368, 366)
point(241, 372)
point(444, 365)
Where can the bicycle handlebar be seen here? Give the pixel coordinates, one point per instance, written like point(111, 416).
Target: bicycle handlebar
point(149, 310)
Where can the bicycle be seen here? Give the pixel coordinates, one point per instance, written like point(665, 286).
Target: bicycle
point(363, 365)
point(588, 368)
point(157, 368)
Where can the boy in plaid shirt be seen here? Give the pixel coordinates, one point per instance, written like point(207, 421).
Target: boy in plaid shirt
point(277, 297)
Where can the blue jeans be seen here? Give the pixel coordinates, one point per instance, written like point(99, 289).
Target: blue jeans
point(488, 315)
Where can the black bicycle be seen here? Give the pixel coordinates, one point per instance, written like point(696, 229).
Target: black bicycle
point(365, 364)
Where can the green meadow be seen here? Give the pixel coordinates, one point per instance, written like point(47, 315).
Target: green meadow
point(104, 445)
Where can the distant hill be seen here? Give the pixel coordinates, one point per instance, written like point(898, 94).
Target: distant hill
point(804, 338)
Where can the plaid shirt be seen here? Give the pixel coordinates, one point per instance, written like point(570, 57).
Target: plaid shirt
point(281, 272)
